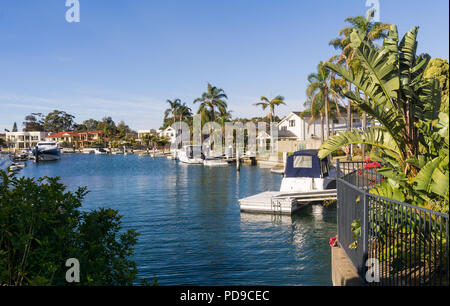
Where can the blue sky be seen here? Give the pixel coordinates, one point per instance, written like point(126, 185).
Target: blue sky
point(125, 58)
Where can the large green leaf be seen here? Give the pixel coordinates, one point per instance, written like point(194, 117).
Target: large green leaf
point(374, 136)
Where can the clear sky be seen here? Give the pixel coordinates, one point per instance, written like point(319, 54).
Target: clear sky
point(125, 58)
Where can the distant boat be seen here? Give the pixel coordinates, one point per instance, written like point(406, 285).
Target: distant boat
point(47, 151)
point(215, 162)
point(68, 150)
point(117, 152)
point(100, 151)
point(192, 155)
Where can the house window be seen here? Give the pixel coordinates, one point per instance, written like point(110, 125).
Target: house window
point(291, 123)
point(284, 128)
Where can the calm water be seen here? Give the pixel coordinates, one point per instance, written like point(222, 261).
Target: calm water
point(192, 232)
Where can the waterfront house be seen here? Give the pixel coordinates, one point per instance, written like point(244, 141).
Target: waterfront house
point(89, 138)
point(24, 140)
point(169, 132)
point(64, 137)
point(296, 131)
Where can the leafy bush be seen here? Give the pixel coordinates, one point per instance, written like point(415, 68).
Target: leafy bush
point(41, 227)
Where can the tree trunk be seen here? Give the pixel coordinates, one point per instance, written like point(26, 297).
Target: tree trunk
point(321, 129)
point(327, 121)
point(349, 123)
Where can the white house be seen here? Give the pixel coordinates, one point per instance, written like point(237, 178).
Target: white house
point(169, 132)
point(24, 140)
point(294, 127)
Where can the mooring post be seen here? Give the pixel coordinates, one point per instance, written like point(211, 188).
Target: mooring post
point(238, 164)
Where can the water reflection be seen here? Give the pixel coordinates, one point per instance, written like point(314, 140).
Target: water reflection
point(192, 231)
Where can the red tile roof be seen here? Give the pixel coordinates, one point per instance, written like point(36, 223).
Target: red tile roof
point(63, 134)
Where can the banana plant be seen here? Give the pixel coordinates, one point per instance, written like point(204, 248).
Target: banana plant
point(412, 136)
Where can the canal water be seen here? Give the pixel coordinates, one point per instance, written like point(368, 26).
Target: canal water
point(192, 232)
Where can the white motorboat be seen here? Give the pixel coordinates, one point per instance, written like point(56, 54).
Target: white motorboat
point(215, 162)
point(46, 151)
point(17, 166)
point(117, 152)
point(305, 172)
point(100, 151)
point(67, 150)
point(192, 155)
point(306, 179)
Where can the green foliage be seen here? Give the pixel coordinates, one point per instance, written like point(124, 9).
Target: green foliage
point(213, 98)
point(41, 226)
point(58, 121)
point(271, 104)
point(413, 137)
point(439, 69)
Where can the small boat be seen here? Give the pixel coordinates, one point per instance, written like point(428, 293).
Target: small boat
point(306, 179)
point(100, 151)
point(215, 162)
point(277, 171)
point(192, 155)
point(47, 151)
point(117, 152)
point(67, 150)
point(88, 151)
point(17, 166)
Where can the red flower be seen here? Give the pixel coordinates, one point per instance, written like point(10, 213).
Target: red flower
point(359, 172)
point(333, 241)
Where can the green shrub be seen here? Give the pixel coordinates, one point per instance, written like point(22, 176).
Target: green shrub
point(41, 226)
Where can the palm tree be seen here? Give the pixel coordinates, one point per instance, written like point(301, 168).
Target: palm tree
point(183, 111)
point(373, 31)
point(210, 100)
point(322, 86)
point(173, 109)
point(271, 104)
point(399, 98)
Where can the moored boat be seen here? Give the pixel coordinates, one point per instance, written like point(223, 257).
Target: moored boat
point(47, 151)
point(306, 179)
point(192, 155)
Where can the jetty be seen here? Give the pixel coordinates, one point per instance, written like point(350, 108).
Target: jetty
point(285, 203)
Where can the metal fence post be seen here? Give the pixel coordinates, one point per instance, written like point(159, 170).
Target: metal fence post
point(365, 232)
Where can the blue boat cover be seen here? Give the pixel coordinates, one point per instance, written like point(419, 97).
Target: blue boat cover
point(303, 163)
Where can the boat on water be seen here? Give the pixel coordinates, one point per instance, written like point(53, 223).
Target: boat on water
point(100, 151)
point(17, 166)
point(117, 152)
point(192, 155)
point(215, 162)
point(67, 150)
point(47, 151)
point(306, 179)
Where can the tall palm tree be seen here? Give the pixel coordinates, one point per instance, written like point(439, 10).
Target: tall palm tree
point(322, 86)
point(210, 100)
point(271, 104)
point(372, 32)
point(173, 109)
point(183, 111)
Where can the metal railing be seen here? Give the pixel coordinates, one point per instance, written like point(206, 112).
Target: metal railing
point(389, 242)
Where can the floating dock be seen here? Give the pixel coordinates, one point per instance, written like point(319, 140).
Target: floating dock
point(283, 202)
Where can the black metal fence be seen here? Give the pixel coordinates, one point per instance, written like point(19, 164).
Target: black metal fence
point(389, 242)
